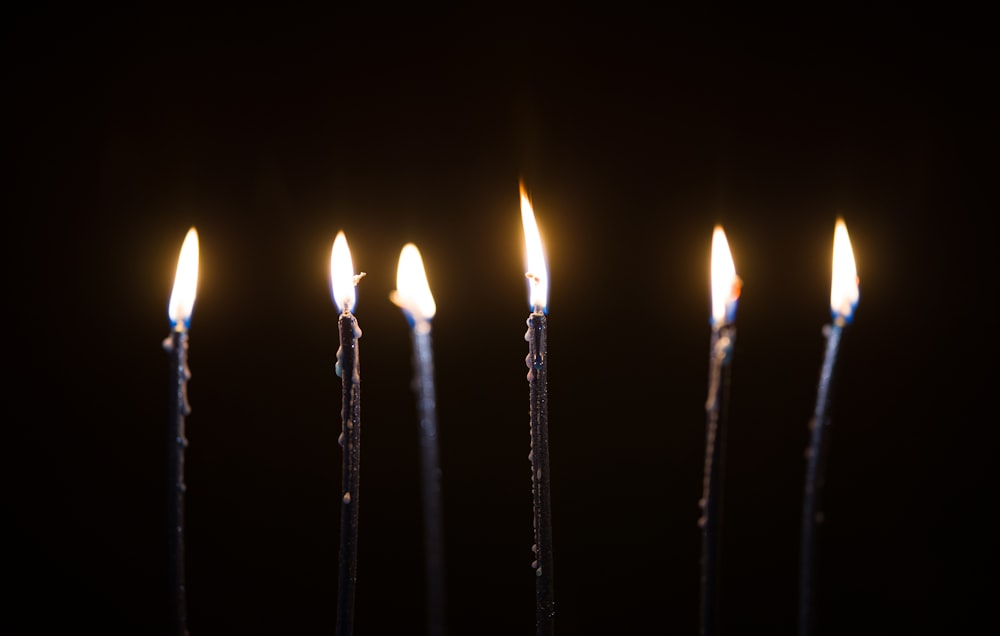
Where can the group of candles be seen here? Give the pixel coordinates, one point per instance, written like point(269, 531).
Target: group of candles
point(725, 293)
point(414, 297)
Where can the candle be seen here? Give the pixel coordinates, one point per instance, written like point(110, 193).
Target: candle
point(343, 282)
point(725, 292)
point(413, 296)
point(176, 344)
point(537, 362)
point(843, 300)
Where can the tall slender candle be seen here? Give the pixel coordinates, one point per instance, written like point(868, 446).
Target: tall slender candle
point(844, 295)
point(343, 282)
point(413, 296)
point(725, 292)
point(538, 362)
point(179, 311)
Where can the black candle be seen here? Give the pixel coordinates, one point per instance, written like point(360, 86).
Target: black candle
point(413, 296)
point(537, 362)
point(843, 300)
point(176, 344)
point(343, 281)
point(725, 292)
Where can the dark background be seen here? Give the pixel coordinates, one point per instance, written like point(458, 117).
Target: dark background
point(270, 133)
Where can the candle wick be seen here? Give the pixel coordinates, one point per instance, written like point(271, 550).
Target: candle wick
point(357, 278)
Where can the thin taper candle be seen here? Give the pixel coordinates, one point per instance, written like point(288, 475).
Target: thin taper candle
point(413, 296)
point(343, 282)
point(537, 363)
point(725, 292)
point(176, 344)
point(843, 301)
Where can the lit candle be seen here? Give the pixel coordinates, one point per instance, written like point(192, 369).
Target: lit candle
point(537, 362)
point(413, 296)
point(176, 344)
point(843, 300)
point(343, 282)
point(725, 292)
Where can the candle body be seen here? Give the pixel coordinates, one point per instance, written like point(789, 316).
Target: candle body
point(430, 470)
point(537, 363)
point(720, 352)
point(348, 368)
point(176, 345)
point(815, 464)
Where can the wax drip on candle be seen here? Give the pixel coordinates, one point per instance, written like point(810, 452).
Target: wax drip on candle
point(722, 352)
point(168, 346)
point(534, 361)
point(339, 366)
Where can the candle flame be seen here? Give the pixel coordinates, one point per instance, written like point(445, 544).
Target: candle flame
point(342, 278)
point(537, 273)
point(725, 283)
point(844, 287)
point(413, 294)
point(185, 283)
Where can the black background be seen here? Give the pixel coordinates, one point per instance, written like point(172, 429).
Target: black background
point(270, 133)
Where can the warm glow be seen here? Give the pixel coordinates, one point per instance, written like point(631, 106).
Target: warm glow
point(538, 275)
point(413, 294)
point(844, 289)
point(342, 278)
point(725, 283)
point(185, 282)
